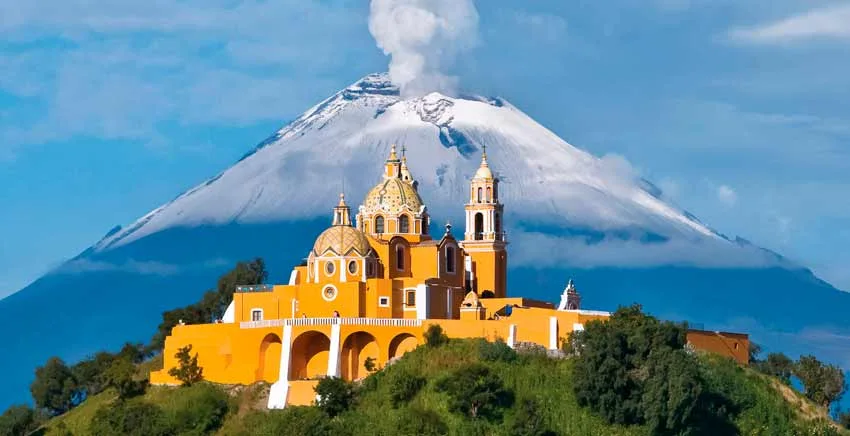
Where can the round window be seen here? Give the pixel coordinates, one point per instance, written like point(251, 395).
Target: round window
point(329, 268)
point(352, 267)
point(329, 293)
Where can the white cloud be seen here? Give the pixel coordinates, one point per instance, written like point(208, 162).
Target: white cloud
point(832, 22)
point(541, 250)
point(122, 71)
point(727, 195)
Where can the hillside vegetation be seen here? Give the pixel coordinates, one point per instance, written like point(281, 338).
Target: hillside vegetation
point(409, 397)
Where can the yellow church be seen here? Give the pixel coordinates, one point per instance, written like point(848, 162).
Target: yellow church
point(369, 290)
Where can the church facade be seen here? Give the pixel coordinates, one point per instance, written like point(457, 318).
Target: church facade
point(370, 287)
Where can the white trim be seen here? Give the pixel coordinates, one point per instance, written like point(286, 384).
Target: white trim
point(553, 333)
point(512, 335)
point(293, 277)
point(279, 393)
point(229, 316)
point(333, 352)
point(316, 269)
point(336, 293)
point(448, 303)
point(363, 270)
point(257, 309)
point(577, 327)
point(422, 302)
point(387, 302)
point(588, 312)
point(342, 270)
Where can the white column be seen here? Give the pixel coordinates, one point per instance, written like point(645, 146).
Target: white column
point(448, 303)
point(342, 269)
point(422, 301)
point(280, 388)
point(512, 336)
point(553, 333)
point(333, 353)
point(316, 270)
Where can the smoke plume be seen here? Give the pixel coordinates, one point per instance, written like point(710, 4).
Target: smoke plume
point(422, 37)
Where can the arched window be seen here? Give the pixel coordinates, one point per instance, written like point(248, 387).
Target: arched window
point(424, 225)
point(489, 194)
point(399, 257)
point(369, 269)
point(379, 224)
point(403, 224)
point(497, 225)
point(479, 226)
point(352, 267)
point(480, 192)
point(450, 259)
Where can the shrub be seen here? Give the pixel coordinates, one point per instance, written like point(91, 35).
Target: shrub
point(120, 375)
point(403, 386)
point(187, 370)
point(777, 365)
point(418, 422)
point(18, 420)
point(671, 393)
point(434, 336)
point(130, 418)
point(497, 351)
point(335, 395)
point(473, 390)
point(526, 420)
point(293, 420)
point(201, 410)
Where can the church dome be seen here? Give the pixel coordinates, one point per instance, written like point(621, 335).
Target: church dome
point(393, 196)
point(342, 240)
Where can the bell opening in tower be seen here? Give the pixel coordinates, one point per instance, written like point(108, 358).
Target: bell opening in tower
point(479, 226)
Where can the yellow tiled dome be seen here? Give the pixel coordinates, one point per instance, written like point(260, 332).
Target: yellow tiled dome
point(342, 240)
point(393, 196)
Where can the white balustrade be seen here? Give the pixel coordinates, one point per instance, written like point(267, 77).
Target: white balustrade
point(306, 322)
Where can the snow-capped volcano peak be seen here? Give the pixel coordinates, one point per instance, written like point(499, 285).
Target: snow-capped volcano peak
point(298, 172)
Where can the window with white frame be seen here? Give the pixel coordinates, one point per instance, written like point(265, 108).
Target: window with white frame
point(256, 314)
point(411, 298)
point(384, 301)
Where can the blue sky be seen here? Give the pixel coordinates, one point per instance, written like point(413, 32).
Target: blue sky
point(740, 111)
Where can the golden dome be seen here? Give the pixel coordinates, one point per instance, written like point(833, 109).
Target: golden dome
point(342, 241)
point(483, 170)
point(393, 196)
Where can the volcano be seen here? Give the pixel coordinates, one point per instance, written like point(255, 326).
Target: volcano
point(568, 214)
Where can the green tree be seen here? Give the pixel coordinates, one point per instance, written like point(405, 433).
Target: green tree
point(121, 376)
point(130, 418)
point(526, 420)
point(89, 372)
point(671, 393)
point(335, 395)
point(369, 364)
point(403, 385)
point(610, 367)
point(824, 384)
point(473, 390)
point(844, 419)
point(434, 336)
point(777, 365)
point(18, 420)
point(187, 371)
point(213, 303)
point(54, 388)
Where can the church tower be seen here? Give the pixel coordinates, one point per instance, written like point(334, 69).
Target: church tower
point(484, 239)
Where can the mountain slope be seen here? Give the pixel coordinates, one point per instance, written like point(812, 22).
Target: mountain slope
point(567, 213)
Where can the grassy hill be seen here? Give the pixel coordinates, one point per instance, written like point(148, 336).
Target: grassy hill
point(404, 398)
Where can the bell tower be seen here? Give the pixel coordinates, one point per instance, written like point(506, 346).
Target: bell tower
point(484, 239)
